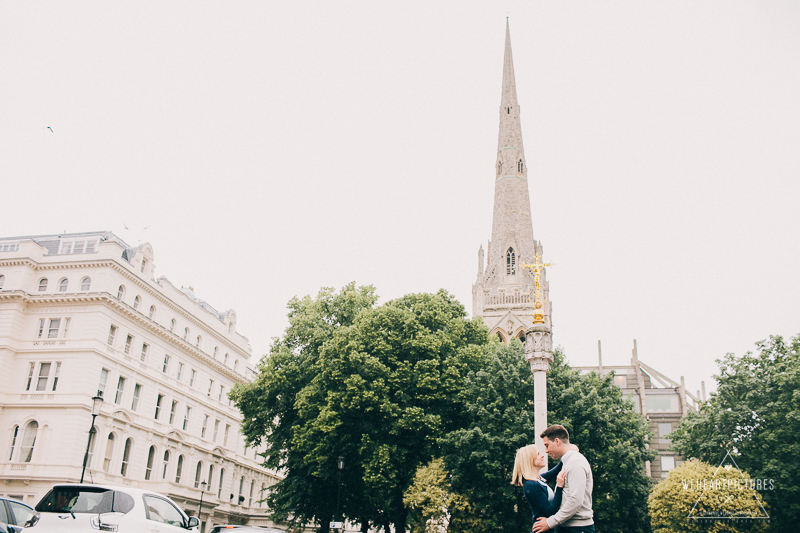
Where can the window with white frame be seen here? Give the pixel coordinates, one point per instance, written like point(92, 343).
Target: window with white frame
point(197, 473)
point(42, 284)
point(9, 247)
point(204, 427)
point(44, 376)
point(55, 325)
point(221, 480)
point(81, 246)
point(144, 265)
point(225, 436)
point(210, 386)
point(109, 452)
point(63, 285)
point(28, 442)
point(86, 283)
point(67, 322)
point(55, 375)
point(185, 333)
point(172, 326)
point(112, 334)
point(216, 350)
point(152, 312)
point(14, 435)
point(137, 392)
point(126, 457)
point(179, 470)
point(166, 465)
point(221, 392)
point(143, 356)
point(2, 280)
point(172, 411)
point(121, 292)
point(31, 368)
point(166, 364)
point(667, 464)
point(187, 415)
point(179, 372)
point(120, 390)
point(236, 366)
point(136, 302)
point(101, 387)
point(151, 456)
point(159, 401)
point(192, 375)
point(216, 430)
point(128, 344)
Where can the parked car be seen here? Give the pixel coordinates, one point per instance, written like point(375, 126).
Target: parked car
point(13, 515)
point(85, 507)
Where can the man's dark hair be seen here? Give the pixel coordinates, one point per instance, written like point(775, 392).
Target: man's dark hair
point(556, 431)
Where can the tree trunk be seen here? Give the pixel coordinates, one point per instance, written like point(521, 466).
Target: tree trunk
point(400, 520)
point(365, 526)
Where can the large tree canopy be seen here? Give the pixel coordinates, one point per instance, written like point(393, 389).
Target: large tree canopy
point(375, 385)
point(754, 414)
point(499, 400)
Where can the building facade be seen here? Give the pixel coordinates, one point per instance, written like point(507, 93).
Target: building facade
point(663, 401)
point(504, 292)
point(83, 315)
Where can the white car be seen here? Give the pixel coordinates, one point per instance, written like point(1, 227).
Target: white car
point(84, 507)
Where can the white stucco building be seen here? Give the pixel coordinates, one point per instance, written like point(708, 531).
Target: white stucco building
point(82, 313)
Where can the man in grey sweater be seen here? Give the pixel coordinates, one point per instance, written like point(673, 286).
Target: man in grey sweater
point(575, 514)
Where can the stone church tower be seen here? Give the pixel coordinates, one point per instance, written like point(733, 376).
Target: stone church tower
point(504, 292)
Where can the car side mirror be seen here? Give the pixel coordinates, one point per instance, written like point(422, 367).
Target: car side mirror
point(193, 522)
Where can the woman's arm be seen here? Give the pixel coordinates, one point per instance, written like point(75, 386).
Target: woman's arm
point(536, 494)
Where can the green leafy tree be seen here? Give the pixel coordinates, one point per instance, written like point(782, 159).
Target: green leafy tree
point(430, 499)
point(754, 414)
point(375, 385)
point(695, 491)
point(499, 400)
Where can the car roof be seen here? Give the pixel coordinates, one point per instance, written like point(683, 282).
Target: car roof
point(15, 501)
point(130, 490)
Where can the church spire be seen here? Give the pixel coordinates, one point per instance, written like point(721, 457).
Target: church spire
point(503, 291)
point(509, 84)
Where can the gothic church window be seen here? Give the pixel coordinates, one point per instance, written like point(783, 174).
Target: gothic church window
point(511, 262)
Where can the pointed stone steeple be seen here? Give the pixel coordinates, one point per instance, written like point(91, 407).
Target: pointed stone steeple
point(502, 292)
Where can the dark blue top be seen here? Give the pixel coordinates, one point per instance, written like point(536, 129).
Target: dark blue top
point(538, 494)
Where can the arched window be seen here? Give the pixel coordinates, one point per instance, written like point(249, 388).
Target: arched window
point(151, 457)
point(14, 435)
point(221, 479)
point(109, 452)
point(241, 491)
point(28, 442)
point(199, 339)
point(179, 470)
point(521, 336)
point(2, 280)
point(216, 350)
point(126, 457)
point(136, 302)
point(121, 292)
point(185, 333)
point(225, 361)
point(86, 283)
point(261, 494)
point(42, 284)
point(519, 165)
point(152, 312)
point(92, 440)
point(236, 365)
point(197, 473)
point(511, 262)
point(250, 500)
point(500, 336)
point(63, 285)
point(166, 465)
point(172, 325)
point(210, 475)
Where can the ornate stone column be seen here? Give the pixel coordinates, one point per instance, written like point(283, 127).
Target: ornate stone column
point(539, 353)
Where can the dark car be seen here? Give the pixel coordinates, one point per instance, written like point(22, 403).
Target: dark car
point(244, 529)
point(14, 514)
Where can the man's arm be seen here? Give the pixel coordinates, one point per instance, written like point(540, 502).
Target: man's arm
point(573, 497)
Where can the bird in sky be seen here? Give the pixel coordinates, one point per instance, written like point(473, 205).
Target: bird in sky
point(51, 129)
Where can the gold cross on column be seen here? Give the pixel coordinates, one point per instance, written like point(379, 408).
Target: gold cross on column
point(537, 266)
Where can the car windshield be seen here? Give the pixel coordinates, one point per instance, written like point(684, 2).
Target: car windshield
point(84, 500)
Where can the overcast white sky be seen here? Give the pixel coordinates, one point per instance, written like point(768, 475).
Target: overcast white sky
point(274, 148)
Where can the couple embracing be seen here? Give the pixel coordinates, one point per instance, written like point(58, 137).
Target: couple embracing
point(569, 508)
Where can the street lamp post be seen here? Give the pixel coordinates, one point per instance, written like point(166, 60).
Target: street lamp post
point(97, 401)
point(200, 510)
point(339, 497)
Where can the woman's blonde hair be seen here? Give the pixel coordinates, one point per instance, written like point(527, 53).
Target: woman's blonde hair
point(523, 465)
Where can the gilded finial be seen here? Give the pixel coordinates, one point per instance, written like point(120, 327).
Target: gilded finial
point(537, 266)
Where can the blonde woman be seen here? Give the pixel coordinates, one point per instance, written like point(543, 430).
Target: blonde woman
point(541, 498)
